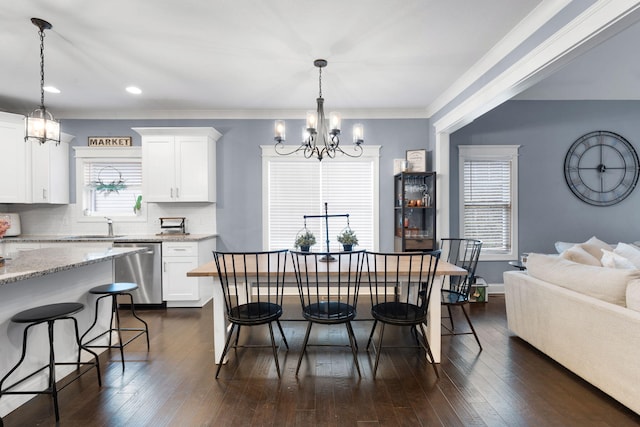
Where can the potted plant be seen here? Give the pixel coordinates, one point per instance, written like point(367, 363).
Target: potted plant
point(348, 239)
point(305, 240)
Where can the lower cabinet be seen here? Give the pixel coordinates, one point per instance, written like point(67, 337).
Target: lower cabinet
point(178, 258)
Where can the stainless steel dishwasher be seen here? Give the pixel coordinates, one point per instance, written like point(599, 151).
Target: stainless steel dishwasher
point(143, 268)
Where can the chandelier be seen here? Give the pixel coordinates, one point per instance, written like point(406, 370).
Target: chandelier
point(320, 137)
point(41, 126)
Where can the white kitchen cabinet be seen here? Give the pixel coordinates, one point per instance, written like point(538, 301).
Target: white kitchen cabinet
point(178, 258)
point(50, 171)
point(38, 173)
point(13, 151)
point(178, 164)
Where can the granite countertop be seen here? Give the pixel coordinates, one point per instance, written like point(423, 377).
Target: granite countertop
point(40, 262)
point(26, 238)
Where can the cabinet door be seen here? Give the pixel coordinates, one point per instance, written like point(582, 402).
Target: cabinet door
point(176, 286)
point(13, 172)
point(193, 169)
point(50, 173)
point(158, 170)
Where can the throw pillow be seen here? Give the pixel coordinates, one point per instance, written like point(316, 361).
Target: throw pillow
point(606, 284)
point(594, 246)
point(577, 254)
point(630, 252)
point(613, 260)
point(563, 246)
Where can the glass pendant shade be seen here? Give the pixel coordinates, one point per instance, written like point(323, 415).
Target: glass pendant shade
point(42, 127)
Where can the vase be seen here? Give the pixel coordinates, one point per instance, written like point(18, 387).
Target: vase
point(304, 248)
point(347, 248)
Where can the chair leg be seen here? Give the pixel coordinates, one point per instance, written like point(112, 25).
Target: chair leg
point(52, 372)
point(427, 348)
point(451, 318)
point(226, 349)
point(379, 350)
point(146, 326)
point(22, 357)
point(282, 333)
point(375, 322)
point(354, 346)
point(274, 348)
point(235, 343)
point(304, 346)
point(114, 308)
point(466, 315)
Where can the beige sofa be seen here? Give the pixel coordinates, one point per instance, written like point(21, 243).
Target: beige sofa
point(585, 317)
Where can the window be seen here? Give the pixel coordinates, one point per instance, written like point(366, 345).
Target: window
point(488, 198)
point(109, 182)
point(294, 186)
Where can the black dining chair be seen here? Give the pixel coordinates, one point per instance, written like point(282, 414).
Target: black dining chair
point(456, 289)
point(401, 285)
point(328, 284)
point(251, 299)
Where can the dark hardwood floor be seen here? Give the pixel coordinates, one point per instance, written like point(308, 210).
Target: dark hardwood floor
point(508, 384)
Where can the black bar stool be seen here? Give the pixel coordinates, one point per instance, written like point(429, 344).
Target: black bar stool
point(49, 314)
point(113, 290)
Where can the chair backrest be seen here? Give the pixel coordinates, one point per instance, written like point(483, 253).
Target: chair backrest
point(404, 278)
point(328, 282)
point(464, 253)
point(241, 282)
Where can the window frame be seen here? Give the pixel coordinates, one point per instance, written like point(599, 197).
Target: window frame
point(85, 155)
point(488, 153)
point(371, 153)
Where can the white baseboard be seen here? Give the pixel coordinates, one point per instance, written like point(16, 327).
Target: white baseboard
point(496, 288)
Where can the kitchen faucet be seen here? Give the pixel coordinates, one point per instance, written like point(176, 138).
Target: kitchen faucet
point(110, 225)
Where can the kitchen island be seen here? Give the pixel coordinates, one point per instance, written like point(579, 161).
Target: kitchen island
point(47, 276)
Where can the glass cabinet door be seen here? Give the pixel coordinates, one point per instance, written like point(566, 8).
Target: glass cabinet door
point(414, 211)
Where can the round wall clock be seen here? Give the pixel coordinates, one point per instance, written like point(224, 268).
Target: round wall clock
point(601, 168)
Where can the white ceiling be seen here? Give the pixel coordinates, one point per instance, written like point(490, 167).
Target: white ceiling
point(253, 56)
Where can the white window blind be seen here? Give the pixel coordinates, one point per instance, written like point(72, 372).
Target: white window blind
point(488, 198)
point(111, 188)
point(301, 187)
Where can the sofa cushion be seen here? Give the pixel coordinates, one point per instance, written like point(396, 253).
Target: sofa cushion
point(578, 254)
point(633, 295)
point(613, 260)
point(607, 284)
point(630, 252)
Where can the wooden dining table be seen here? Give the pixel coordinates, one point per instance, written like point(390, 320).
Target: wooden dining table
point(443, 269)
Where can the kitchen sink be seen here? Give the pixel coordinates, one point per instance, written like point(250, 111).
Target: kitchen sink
point(92, 236)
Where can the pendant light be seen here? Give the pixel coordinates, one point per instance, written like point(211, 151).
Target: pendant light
point(41, 126)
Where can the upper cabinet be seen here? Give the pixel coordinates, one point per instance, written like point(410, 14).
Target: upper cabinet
point(178, 164)
point(50, 171)
point(13, 173)
point(38, 173)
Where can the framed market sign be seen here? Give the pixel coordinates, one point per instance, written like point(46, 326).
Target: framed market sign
point(110, 141)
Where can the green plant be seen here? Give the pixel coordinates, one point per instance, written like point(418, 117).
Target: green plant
point(305, 239)
point(138, 205)
point(348, 237)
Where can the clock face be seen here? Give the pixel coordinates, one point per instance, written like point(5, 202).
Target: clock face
point(601, 168)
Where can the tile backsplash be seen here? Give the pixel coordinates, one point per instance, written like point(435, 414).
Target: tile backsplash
point(62, 219)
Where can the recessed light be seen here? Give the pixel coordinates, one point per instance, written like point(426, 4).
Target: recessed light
point(51, 89)
point(134, 90)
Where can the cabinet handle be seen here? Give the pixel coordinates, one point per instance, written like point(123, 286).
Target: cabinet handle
point(179, 249)
point(164, 267)
point(177, 193)
point(172, 192)
point(44, 194)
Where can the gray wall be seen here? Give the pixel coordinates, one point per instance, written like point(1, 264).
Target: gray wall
point(239, 166)
point(548, 211)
